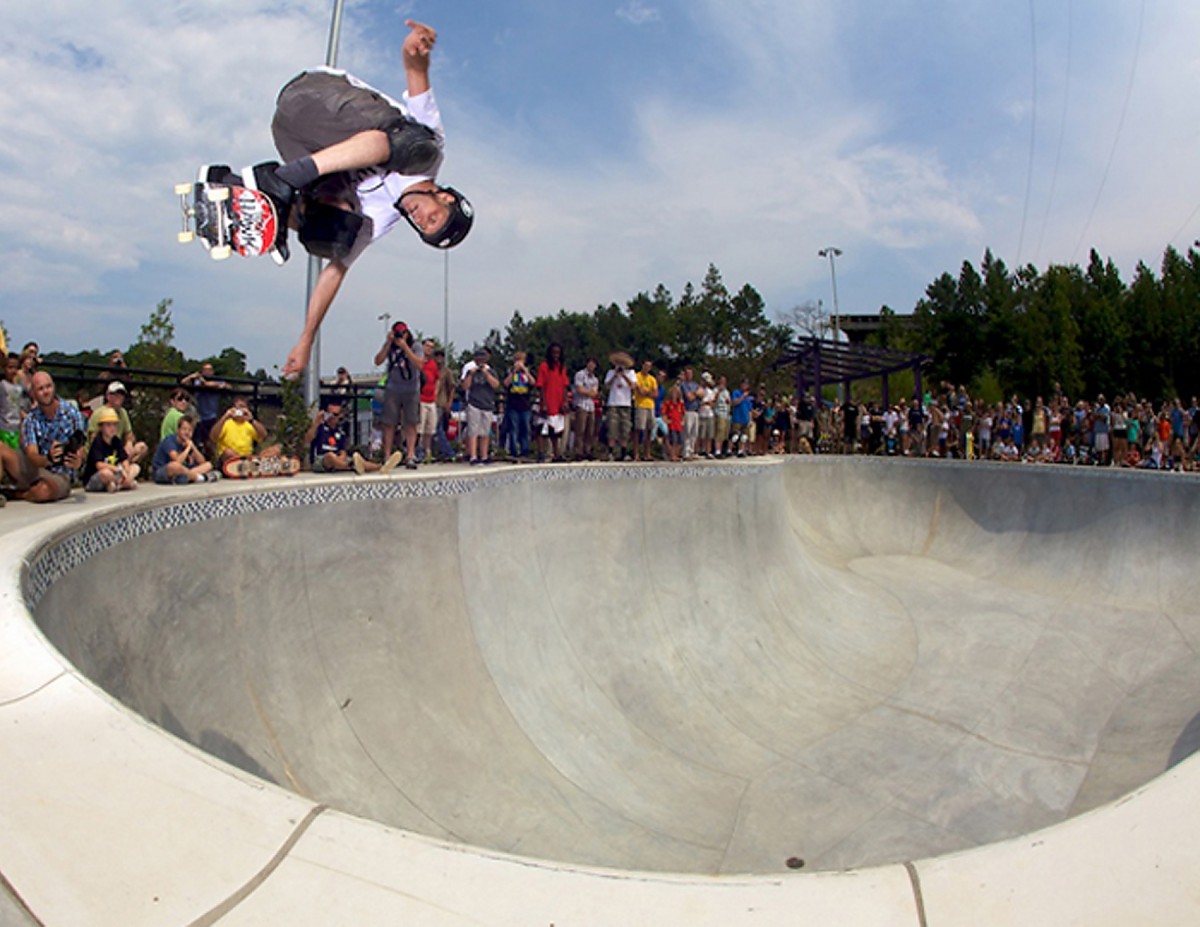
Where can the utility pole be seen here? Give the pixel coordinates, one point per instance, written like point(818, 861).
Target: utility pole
point(312, 376)
point(831, 253)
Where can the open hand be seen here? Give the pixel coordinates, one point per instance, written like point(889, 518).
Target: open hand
point(418, 44)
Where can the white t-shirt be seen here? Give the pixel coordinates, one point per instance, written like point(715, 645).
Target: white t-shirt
point(620, 387)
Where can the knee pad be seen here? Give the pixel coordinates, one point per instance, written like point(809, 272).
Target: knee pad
point(327, 231)
point(415, 148)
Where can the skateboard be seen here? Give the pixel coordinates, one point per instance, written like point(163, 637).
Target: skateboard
point(248, 468)
point(228, 215)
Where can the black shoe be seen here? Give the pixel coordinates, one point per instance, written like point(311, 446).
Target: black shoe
point(262, 177)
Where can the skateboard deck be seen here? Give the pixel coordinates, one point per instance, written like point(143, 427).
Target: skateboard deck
point(227, 216)
point(248, 468)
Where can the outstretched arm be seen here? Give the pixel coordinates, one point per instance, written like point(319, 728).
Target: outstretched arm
point(329, 281)
point(418, 45)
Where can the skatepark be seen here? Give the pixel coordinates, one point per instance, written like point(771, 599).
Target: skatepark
point(817, 690)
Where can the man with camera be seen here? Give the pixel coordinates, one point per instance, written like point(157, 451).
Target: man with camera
point(238, 431)
point(54, 440)
point(327, 445)
point(402, 392)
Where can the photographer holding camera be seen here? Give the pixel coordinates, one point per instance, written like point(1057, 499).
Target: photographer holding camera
point(54, 440)
point(238, 431)
point(402, 393)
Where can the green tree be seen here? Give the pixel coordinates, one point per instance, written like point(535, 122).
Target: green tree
point(155, 347)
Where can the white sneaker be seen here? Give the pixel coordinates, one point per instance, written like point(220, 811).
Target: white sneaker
point(392, 462)
point(360, 465)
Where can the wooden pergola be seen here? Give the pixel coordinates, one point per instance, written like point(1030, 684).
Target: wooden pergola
point(819, 362)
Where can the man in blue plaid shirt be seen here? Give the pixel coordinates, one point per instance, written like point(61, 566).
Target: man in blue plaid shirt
point(46, 434)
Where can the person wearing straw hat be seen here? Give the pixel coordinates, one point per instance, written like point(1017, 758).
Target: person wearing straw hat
point(619, 381)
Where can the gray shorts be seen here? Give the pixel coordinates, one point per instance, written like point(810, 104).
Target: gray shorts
point(643, 419)
point(479, 422)
point(401, 408)
point(317, 109)
point(708, 428)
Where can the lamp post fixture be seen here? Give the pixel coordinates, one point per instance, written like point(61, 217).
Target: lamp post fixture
point(831, 253)
point(312, 376)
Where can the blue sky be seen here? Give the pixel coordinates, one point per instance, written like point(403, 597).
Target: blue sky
point(608, 147)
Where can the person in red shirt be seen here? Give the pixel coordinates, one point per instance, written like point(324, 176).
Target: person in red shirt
point(672, 412)
point(552, 383)
point(427, 420)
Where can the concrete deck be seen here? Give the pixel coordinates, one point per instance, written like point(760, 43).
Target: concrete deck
point(958, 693)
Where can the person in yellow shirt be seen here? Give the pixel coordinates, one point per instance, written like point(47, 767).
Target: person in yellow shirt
point(237, 431)
point(645, 391)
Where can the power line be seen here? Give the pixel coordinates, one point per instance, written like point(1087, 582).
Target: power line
point(1137, 53)
point(1032, 127)
point(1062, 129)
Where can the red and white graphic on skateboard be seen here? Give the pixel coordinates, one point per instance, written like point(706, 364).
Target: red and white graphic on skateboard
point(253, 228)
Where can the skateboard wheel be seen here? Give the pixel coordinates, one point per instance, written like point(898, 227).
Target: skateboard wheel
point(220, 252)
point(183, 189)
point(217, 194)
point(185, 237)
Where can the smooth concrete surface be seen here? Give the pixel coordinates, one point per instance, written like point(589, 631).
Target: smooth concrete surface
point(534, 686)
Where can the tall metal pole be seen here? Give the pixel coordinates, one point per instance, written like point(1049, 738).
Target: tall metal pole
point(446, 303)
point(312, 376)
point(832, 253)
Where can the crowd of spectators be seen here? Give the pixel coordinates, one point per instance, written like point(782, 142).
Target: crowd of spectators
point(539, 410)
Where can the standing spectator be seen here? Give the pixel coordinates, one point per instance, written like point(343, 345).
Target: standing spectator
point(108, 467)
point(587, 390)
point(53, 439)
point(480, 385)
point(619, 381)
point(672, 410)
point(114, 399)
point(343, 385)
point(645, 392)
point(446, 391)
point(207, 389)
point(402, 393)
point(31, 360)
point(178, 460)
point(707, 430)
point(691, 416)
point(428, 416)
point(741, 403)
point(518, 407)
point(1101, 431)
point(177, 406)
point(552, 384)
point(721, 417)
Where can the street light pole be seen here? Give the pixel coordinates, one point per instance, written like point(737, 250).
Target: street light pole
point(312, 376)
point(831, 253)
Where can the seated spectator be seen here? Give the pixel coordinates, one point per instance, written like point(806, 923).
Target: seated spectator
point(108, 467)
point(114, 399)
point(327, 453)
point(12, 395)
point(177, 406)
point(178, 460)
point(54, 442)
point(238, 433)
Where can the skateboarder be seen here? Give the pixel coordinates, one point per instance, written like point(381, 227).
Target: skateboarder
point(356, 162)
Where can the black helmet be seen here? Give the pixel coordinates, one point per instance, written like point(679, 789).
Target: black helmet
point(458, 222)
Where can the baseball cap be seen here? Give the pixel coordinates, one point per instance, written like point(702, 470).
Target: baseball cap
point(116, 386)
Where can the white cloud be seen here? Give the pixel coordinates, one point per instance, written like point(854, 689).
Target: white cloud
point(637, 13)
